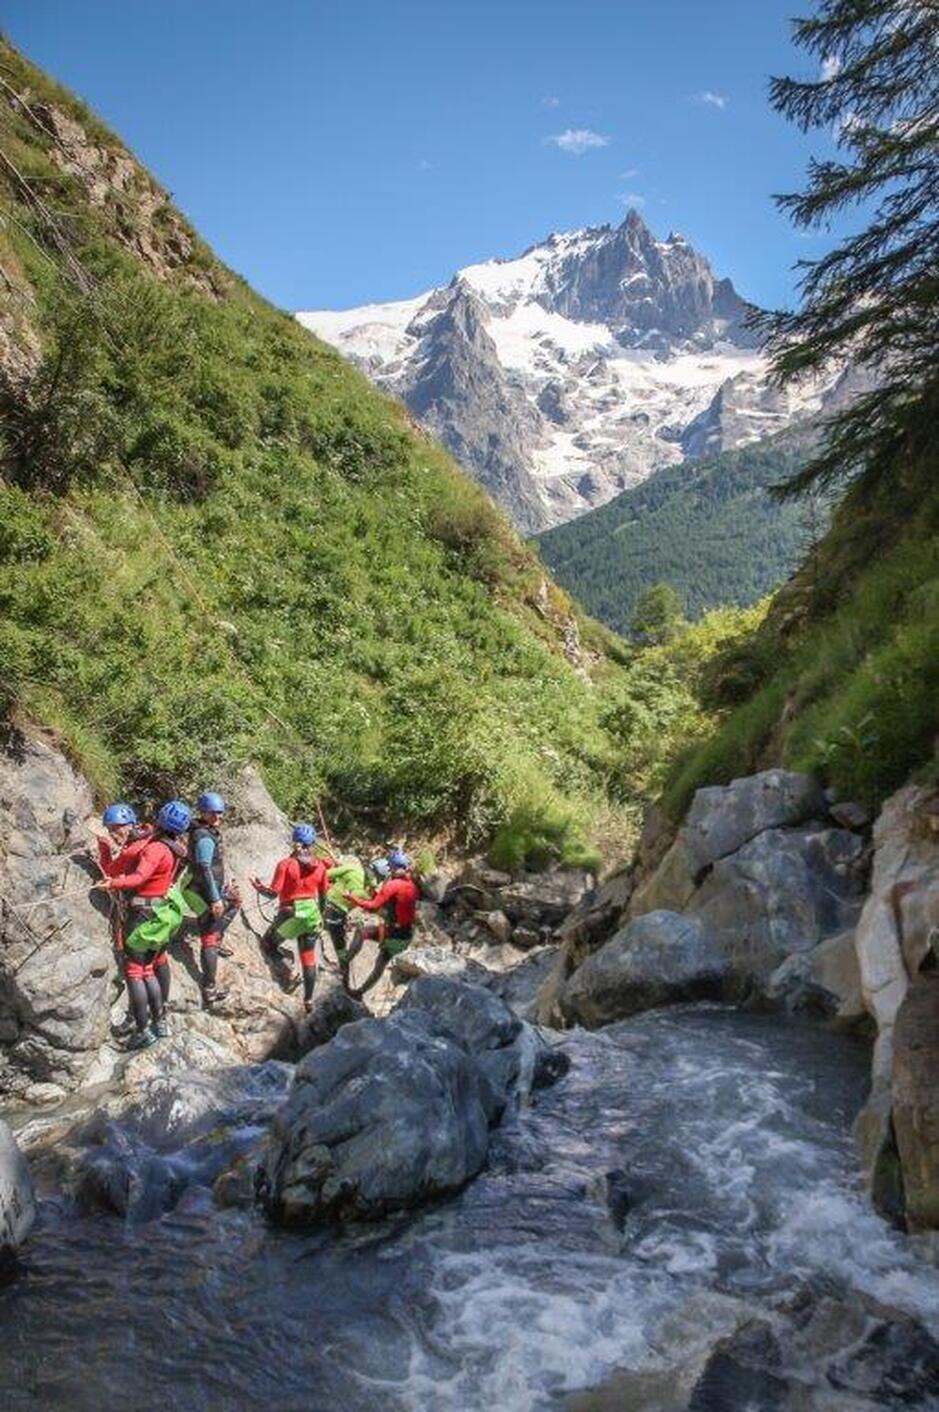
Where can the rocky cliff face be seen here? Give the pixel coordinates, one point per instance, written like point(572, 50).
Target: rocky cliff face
point(571, 373)
point(769, 892)
point(59, 980)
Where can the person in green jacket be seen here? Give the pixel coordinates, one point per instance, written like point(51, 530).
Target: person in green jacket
point(345, 875)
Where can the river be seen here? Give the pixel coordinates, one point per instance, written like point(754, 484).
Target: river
point(693, 1162)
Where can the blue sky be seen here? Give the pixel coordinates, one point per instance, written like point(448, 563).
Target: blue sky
point(337, 152)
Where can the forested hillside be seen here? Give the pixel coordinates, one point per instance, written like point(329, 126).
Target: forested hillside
point(843, 675)
point(219, 543)
point(710, 529)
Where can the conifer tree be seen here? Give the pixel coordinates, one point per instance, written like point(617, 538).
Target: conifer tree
point(873, 300)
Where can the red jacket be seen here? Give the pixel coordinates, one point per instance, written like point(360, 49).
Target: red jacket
point(294, 879)
point(399, 895)
point(113, 864)
point(154, 871)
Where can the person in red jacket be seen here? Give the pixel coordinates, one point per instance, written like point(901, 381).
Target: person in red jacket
point(156, 909)
point(395, 902)
point(118, 847)
point(299, 882)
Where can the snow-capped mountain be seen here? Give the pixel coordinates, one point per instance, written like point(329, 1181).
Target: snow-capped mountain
point(564, 376)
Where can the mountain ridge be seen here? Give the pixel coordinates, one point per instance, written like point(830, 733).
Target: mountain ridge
point(592, 359)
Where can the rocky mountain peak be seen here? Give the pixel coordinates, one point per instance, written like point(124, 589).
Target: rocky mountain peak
point(571, 372)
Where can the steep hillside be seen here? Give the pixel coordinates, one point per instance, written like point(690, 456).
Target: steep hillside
point(842, 678)
point(711, 529)
point(567, 375)
point(218, 542)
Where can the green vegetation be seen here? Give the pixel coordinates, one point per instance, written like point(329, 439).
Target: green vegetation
point(712, 530)
point(219, 544)
point(872, 300)
point(659, 616)
point(843, 677)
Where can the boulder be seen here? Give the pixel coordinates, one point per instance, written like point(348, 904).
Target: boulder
point(333, 1007)
point(721, 821)
point(392, 1113)
point(915, 1101)
point(893, 939)
point(499, 925)
point(656, 959)
point(520, 985)
point(56, 966)
point(544, 899)
point(432, 961)
point(824, 982)
point(526, 937)
point(849, 815)
point(783, 892)
point(383, 1117)
point(17, 1200)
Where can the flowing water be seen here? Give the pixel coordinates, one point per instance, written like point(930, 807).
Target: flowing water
point(692, 1159)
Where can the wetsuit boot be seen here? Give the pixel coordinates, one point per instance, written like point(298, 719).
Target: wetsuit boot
point(138, 995)
point(211, 994)
point(308, 966)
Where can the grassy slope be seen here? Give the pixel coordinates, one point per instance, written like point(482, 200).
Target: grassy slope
point(215, 518)
point(843, 676)
point(709, 529)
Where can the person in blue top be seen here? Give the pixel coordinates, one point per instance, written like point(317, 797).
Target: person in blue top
point(214, 901)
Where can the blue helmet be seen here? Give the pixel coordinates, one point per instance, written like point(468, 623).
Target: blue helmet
point(117, 814)
point(210, 803)
point(397, 860)
point(305, 834)
point(174, 817)
point(381, 868)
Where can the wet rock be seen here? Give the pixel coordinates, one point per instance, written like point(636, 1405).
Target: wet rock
point(824, 982)
point(896, 1364)
point(383, 1117)
point(656, 959)
point(721, 821)
point(17, 1201)
point(740, 1373)
point(142, 1150)
point(482, 1022)
point(915, 1101)
point(392, 1113)
point(333, 1007)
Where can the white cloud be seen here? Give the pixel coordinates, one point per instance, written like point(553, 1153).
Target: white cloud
point(629, 174)
point(632, 199)
point(831, 68)
point(577, 141)
point(710, 99)
point(550, 101)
